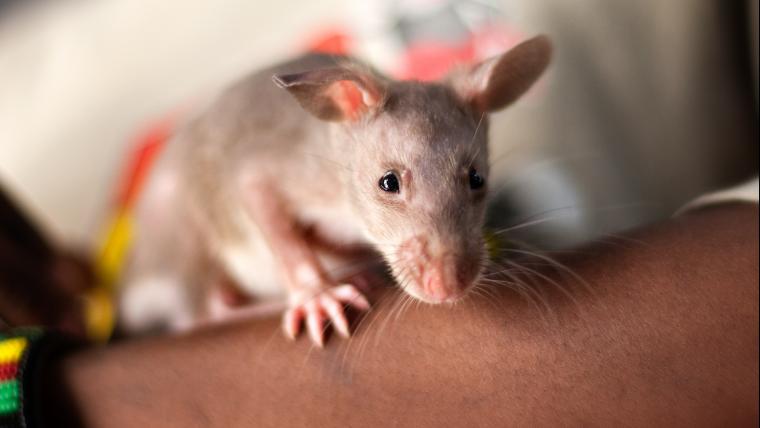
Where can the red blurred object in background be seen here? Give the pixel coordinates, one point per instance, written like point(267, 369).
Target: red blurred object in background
point(333, 41)
point(429, 60)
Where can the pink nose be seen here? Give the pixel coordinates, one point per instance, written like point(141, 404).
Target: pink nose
point(439, 286)
point(438, 275)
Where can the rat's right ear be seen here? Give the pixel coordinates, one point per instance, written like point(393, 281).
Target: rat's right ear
point(499, 81)
point(334, 93)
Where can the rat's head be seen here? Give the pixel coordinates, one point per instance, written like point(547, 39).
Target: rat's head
point(418, 160)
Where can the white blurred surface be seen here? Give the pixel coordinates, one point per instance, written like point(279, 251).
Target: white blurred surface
point(644, 107)
point(79, 78)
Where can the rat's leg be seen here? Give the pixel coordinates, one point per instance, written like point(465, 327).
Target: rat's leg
point(312, 294)
point(165, 280)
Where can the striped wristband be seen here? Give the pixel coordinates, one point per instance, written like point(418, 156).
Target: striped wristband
point(23, 353)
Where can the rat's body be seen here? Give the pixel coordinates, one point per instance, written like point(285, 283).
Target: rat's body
point(343, 155)
point(192, 221)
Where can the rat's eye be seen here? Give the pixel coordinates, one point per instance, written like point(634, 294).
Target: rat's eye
point(476, 181)
point(389, 182)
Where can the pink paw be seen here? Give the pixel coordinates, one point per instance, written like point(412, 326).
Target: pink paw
point(314, 308)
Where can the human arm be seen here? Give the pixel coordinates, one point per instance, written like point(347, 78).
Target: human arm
point(669, 337)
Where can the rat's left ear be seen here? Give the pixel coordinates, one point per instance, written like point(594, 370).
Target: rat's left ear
point(334, 94)
point(497, 82)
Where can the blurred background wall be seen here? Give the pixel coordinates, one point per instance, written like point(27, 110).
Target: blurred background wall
point(647, 103)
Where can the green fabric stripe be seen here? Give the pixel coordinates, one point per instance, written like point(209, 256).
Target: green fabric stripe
point(8, 396)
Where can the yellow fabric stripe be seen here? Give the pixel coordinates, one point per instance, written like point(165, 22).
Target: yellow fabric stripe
point(12, 349)
point(100, 314)
point(114, 250)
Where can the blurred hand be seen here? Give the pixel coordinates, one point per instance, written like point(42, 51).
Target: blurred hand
point(39, 284)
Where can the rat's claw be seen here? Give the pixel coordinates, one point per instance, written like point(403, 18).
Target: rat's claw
point(335, 312)
point(348, 294)
point(314, 309)
point(315, 320)
point(291, 322)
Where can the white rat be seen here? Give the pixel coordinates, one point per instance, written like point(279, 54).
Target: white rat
point(324, 146)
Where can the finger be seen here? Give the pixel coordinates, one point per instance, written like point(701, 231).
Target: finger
point(337, 316)
point(315, 321)
point(349, 294)
point(291, 322)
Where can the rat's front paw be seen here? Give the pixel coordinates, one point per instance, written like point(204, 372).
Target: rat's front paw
point(315, 307)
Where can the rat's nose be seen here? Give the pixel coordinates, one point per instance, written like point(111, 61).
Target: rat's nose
point(441, 283)
point(435, 288)
point(439, 275)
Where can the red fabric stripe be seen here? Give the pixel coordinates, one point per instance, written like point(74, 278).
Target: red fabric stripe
point(8, 371)
point(147, 147)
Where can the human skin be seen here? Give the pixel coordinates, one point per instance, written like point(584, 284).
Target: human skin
point(40, 283)
point(668, 336)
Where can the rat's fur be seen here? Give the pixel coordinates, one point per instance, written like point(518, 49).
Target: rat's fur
point(323, 156)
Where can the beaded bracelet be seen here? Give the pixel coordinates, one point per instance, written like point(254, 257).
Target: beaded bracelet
point(23, 353)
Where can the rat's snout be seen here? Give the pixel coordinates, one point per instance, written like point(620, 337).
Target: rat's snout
point(435, 273)
point(440, 281)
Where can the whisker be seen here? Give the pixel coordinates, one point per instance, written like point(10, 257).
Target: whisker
point(530, 222)
point(551, 281)
point(472, 140)
point(557, 265)
point(525, 290)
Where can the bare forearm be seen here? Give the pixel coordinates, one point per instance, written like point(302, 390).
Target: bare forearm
point(669, 336)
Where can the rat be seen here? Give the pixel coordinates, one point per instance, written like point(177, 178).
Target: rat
point(323, 146)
